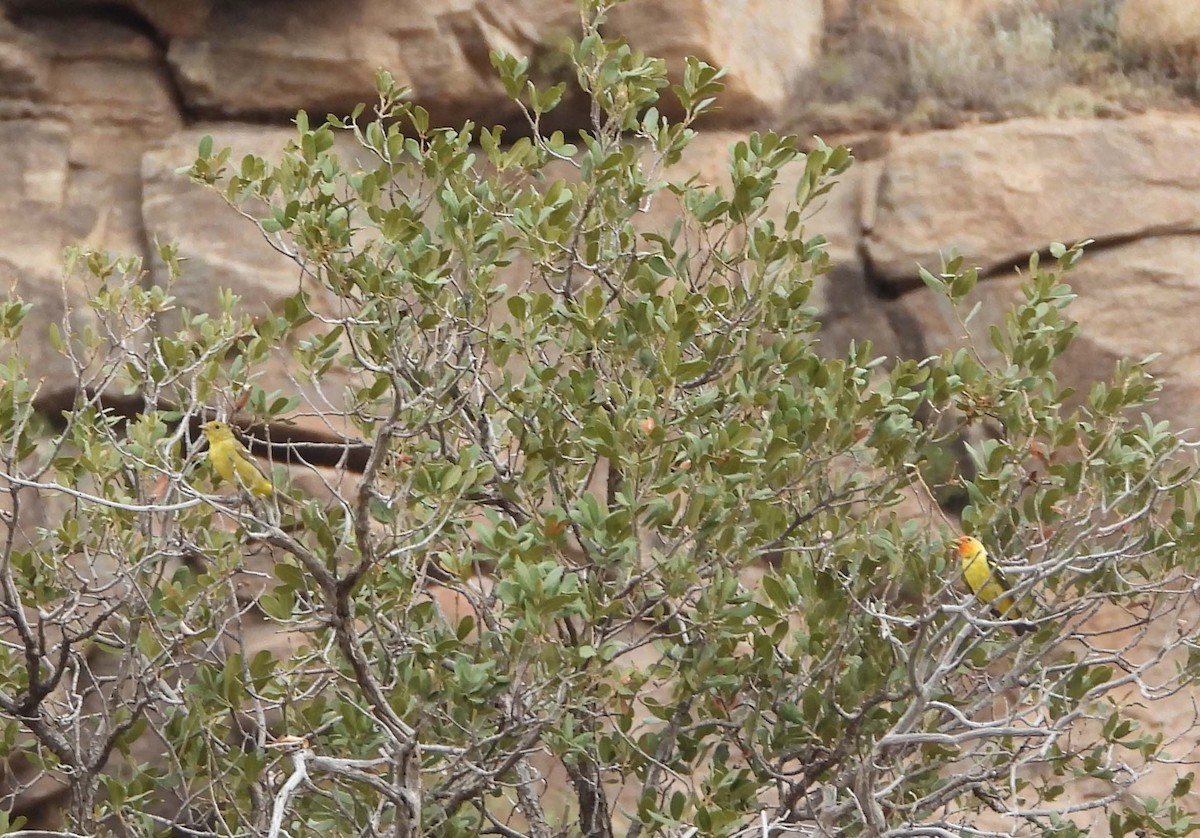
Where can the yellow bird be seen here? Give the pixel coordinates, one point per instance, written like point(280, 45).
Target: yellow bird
point(988, 583)
point(232, 462)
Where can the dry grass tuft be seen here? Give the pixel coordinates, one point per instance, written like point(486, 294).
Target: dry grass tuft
point(1033, 58)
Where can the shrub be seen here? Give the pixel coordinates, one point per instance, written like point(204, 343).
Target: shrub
point(607, 547)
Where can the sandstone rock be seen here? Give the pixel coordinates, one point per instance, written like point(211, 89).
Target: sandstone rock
point(33, 232)
point(443, 52)
point(277, 57)
point(167, 18)
point(108, 97)
point(222, 249)
point(109, 82)
point(763, 45)
point(170, 18)
point(997, 192)
point(24, 70)
point(273, 58)
point(95, 96)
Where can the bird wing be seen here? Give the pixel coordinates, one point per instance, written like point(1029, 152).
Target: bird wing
point(995, 592)
point(249, 472)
